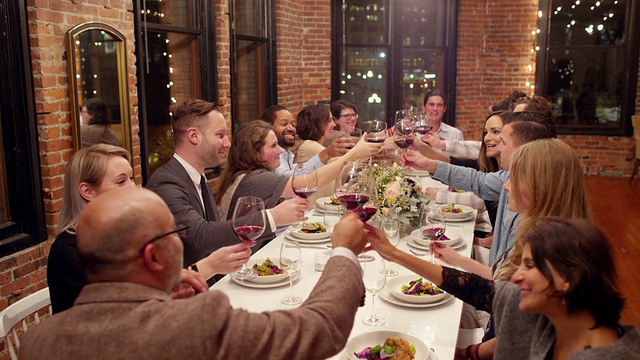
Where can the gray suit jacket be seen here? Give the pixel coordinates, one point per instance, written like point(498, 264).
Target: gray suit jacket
point(173, 184)
point(131, 321)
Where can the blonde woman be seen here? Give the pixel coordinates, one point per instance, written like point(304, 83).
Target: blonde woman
point(90, 172)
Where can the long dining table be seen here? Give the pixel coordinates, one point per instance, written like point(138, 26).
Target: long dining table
point(437, 326)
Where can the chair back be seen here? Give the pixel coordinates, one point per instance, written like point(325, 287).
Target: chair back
point(19, 312)
point(636, 130)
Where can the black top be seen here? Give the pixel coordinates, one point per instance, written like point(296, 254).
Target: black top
point(65, 273)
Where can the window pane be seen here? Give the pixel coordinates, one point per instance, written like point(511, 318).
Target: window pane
point(364, 81)
point(423, 22)
point(366, 22)
point(250, 81)
point(4, 206)
point(170, 12)
point(248, 17)
point(585, 86)
point(587, 22)
point(174, 74)
point(421, 70)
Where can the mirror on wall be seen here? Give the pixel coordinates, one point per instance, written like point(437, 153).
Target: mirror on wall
point(96, 55)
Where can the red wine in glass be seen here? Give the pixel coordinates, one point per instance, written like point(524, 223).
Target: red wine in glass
point(352, 202)
point(404, 143)
point(305, 193)
point(248, 233)
point(366, 212)
point(375, 140)
point(422, 129)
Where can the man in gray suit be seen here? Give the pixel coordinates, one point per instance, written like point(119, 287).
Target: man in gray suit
point(201, 141)
point(128, 243)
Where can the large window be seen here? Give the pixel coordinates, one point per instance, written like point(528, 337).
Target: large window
point(253, 83)
point(21, 206)
point(388, 54)
point(588, 63)
point(175, 62)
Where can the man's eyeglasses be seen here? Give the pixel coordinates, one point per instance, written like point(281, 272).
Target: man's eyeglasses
point(182, 231)
point(347, 116)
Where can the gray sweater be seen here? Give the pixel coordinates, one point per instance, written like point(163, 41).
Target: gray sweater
point(490, 187)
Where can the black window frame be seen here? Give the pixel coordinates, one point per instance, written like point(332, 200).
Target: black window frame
point(20, 141)
point(204, 14)
point(271, 64)
point(629, 93)
point(395, 51)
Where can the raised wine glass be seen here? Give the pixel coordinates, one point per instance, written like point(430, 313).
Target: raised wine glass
point(374, 277)
point(434, 226)
point(376, 132)
point(405, 121)
point(403, 134)
point(290, 262)
point(304, 184)
point(351, 187)
point(422, 125)
point(248, 223)
point(391, 227)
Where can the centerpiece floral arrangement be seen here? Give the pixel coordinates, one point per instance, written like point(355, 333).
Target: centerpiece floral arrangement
point(396, 191)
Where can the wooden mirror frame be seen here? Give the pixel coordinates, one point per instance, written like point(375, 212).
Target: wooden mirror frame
point(74, 80)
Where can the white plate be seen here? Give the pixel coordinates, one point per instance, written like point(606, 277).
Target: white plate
point(395, 284)
point(266, 279)
point(452, 216)
point(468, 217)
point(386, 296)
point(453, 236)
point(456, 246)
point(254, 285)
point(321, 203)
point(290, 236)
point(373, 338)
point(313, 236)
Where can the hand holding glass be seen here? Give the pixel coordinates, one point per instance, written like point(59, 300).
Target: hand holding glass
point(248, 222)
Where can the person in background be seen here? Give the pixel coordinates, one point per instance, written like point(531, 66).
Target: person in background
point(132, 255)
point(314, 126)
point(95, 119)
point(201, 141)
point(253, 158)
point(434, 106)
point(91, 172)
point(345, 115)
point(563, 301)
point(284, 126)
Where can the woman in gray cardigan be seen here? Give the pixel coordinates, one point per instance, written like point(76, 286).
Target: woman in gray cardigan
point(562, 303)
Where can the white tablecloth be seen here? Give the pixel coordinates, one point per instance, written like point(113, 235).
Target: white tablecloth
point(436, 326)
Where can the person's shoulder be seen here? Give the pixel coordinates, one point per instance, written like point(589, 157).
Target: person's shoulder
point(171, 171)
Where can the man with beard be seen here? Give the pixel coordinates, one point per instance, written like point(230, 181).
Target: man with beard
point(200, 138)
point(284, 125)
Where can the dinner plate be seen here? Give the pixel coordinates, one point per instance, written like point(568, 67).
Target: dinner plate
point(414, 172)
point(386, 296)
point(395, 284)
point(307, 241)
point(268, 279)
point(456, 246)
point(373, 338)
point(453, 235)
point(321, 203)
point(255, 285)
point(468, 217)
point(294, 232)
point(453, 216)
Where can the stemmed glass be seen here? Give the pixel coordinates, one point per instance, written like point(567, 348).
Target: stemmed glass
point(248, 223)
point(434, 226)
point(422, 125)
point(374, 277)
point(407, 119)
point(376, 132)
point(403, 134)
point(304, 184)
point(351, 186)
point(391, 228)
point(290, 262)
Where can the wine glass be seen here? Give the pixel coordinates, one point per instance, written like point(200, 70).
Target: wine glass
point(304, 185)
point(290, 262)
point(376, 132)
point(391, 228)
point(374, 277)
point(248, 223)
point(331, 217)
point(351, 186)
point(403, 134)
point(434, 226)
point(405, 121)
point(422, 125)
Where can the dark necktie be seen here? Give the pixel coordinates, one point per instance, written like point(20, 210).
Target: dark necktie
point(207, 199)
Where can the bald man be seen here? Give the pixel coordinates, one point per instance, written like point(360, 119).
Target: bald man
point(132, 254)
